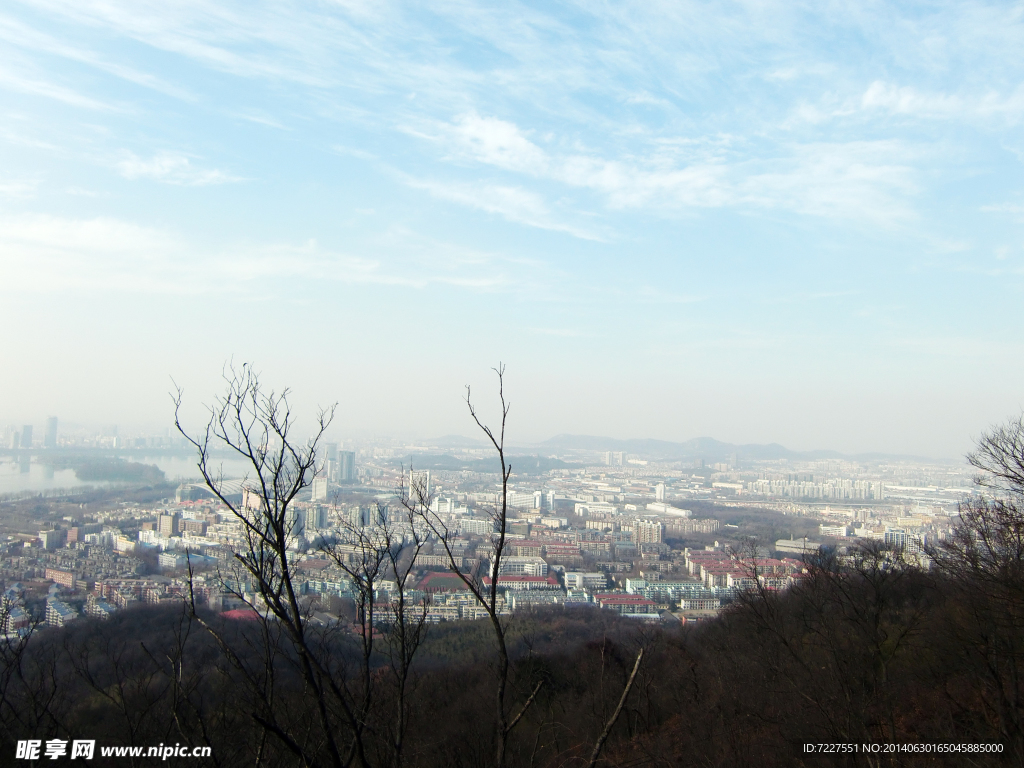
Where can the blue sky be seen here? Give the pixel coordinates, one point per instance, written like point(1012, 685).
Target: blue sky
point(758, 221)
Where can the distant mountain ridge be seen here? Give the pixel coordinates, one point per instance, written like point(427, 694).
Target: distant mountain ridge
point(521, 464)
point(456, 441)
point(702, 448)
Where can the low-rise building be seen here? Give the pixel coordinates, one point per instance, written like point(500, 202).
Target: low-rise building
point(59, 613)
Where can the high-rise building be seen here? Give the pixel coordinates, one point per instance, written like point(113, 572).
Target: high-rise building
point(316, 517)
point(168, 525)
point(544, 500)
point(50, 438)
point(329, 460)
point(346, 466)
point(419, 484)
point(900, 538)
point(197, 527)
point(648, 531)
point(659, 492)
point(295, 521)
point(15, 441)
point(330, 452)
point(357, 517)
point(52, 539)
point(320, 490)
point(26, 436)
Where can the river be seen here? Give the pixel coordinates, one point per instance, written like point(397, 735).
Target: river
point(31, 474)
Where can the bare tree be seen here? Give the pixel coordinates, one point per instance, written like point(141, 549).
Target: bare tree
point(372, 552)
point(596, 753)
point(256, 424)
point(29, 691)
point(484, 588)
point(984, 562)
point(999, 458)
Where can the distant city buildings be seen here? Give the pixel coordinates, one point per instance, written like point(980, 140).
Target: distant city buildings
point(607, 530)
point(615, 458)
point(841, 489)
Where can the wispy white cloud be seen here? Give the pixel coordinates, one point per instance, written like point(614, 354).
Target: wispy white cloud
point(1016, 210)
point(170, 168)
point(909, 101)
point(19, 189)
point(262, 119)
point(498, 143)
point(259, 42)
point(45, 254)
point(16, 33)
point(852, 180)
point(15, 80)
point(512, 203)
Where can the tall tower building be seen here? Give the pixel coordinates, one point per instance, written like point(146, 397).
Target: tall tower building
point(346, 466)
point(50, 438)
point(329, 454)
point(26, 436)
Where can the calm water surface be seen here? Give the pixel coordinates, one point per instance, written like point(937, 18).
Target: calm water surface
point(23, 473)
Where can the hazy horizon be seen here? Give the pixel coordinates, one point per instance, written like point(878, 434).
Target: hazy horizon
point(761, 223)
point(450, 439)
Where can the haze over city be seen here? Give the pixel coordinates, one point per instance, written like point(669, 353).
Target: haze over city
point(757, 222)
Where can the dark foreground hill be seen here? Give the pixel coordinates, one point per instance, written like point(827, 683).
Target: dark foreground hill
point(861, 653)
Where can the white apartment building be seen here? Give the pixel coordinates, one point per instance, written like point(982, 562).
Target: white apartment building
point(523, 566)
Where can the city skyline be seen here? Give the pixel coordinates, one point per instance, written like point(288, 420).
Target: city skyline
point(43, 434)
point(74, 436)
point(761, 223)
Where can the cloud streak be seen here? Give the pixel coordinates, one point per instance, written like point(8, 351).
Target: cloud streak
point(855, 180)
point(171, 168)
point(45, 254)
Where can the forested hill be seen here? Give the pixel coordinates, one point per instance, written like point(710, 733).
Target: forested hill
point(868, 654)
